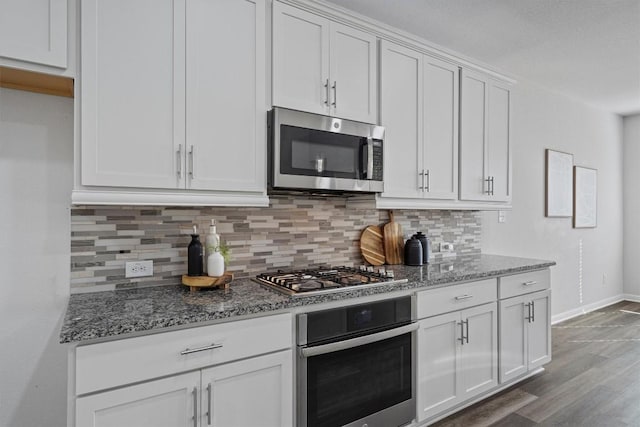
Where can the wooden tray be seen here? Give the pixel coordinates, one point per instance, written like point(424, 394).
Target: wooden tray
point(196, 282)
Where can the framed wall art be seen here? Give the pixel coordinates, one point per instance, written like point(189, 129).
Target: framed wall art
point(585, 197)
point(558, 184)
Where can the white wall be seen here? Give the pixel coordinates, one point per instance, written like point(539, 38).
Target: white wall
point(541, 120)
point(632, 206)
point(36, 175)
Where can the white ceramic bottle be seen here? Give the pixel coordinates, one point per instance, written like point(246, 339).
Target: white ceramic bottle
point(215, 260)
point(215, 264)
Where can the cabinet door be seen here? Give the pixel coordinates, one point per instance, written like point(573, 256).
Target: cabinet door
point(473, 136)
point(251, 392)
point(539, 351)
point(353, 77)
point(438, 353)
point(401, 115)
point(225, 101)
point(478, 369)
point(513, 337)
point(132, 93)
point(169, 402)
point(300, 59)
point(440, 129)
point(34, 31)
point(498, 148)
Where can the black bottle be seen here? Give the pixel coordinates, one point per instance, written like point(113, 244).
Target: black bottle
point(413, 252)
point(194, 256)
point(426, 246)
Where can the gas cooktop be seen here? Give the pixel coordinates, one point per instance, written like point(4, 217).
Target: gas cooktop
point(325, 279)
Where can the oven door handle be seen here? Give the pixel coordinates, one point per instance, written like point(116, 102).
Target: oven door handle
point(356, 342)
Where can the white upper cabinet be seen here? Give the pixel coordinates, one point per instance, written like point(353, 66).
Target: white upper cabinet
point(300, 59)
point(419, 110)
point(485, 158)
point(225, 95)
point(173, 98)
point(34, 31)
point(440, 129)
point(132, 93)
point(323, 67)
point(401, 115)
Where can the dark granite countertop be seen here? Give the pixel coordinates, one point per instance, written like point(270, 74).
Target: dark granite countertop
point(101, 315)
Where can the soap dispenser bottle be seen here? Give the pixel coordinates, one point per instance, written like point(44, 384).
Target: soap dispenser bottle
point(195, 254)
point(215, 260)
point(211, 242)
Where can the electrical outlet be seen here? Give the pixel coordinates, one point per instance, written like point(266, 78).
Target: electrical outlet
point(502, 216)
point(138, 269)
point(446, 247)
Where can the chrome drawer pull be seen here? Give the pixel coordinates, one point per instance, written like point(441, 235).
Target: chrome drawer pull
point(465, 296)
point(195, 350)
point(530, 283)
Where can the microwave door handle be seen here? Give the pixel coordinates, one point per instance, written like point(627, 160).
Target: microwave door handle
point(369, 173)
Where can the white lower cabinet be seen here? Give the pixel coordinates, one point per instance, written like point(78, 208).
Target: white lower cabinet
point(525, 333)
point(169, 402)
point(252, 392)
point(232, 374)
point(457, 358)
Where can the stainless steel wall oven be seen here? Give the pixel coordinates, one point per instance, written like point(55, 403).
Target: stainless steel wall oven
point(356, 365)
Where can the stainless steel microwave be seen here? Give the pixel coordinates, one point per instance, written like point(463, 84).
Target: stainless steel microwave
point(316, 153)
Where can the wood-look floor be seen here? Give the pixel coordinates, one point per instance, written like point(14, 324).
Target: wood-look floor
point(592, 380)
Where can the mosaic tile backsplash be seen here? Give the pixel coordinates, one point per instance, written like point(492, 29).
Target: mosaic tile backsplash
point(294, 231)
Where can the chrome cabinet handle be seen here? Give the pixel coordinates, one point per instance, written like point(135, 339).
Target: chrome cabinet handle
point(427, 187)
point(492, 185)
point(529, 283)
point(461, 339)
point(463, 297)
point(533, 311)
point(195, 406)
point(421, 174)
point(528, 318)
point(196, 350)
point(488, 181)
point(209, 404)
point(191, 154)
point(466, 322)
point(335, 94)
point(179, 160)
point(326, 93)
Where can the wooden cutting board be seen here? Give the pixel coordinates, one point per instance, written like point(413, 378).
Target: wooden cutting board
point(371, 245)
point(393, 242)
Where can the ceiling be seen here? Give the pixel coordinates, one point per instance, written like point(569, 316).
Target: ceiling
point(586, 49)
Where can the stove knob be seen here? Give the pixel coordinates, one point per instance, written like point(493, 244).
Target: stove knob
point(382, 272)
point(390, 274)
point(370, 269)
point(363, 267)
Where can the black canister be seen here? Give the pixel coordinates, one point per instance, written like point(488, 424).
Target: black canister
point(194, 256)
point(426, 246)
point(413, 252)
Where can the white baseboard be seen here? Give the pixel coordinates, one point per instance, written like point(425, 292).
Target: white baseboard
point(557, 318)
point(630, 297)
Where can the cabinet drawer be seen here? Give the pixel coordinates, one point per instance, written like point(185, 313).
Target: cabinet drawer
point(115, 363)
point(431, 303)
point(525, 283)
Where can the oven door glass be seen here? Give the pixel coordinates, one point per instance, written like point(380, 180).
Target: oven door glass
point(347, 385)
point(316, 153)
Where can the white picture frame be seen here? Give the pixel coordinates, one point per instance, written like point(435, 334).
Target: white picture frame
point(558, 184)
point(585, 197)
